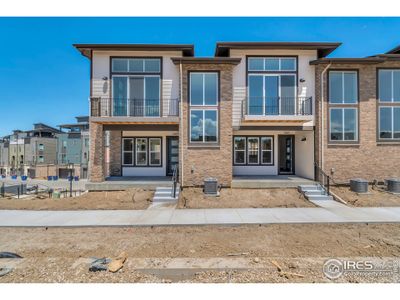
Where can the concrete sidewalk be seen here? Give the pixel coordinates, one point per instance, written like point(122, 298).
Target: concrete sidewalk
point(331, 213)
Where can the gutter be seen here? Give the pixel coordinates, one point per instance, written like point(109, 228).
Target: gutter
point(322, 115)
point(181, 121)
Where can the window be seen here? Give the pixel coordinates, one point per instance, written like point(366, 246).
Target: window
point(343, 124)
point(41, 147)
point(239, 150)
point(389, 122)
point(272, 64)
point(141, 151)
point(203, 114)
point(127, 152)
point(256, 150)
point(389, 85)
point(343, 87)
point(155, 151)
point(136, 86)
point(41, 159)
point(252, 150)
point(266, 150)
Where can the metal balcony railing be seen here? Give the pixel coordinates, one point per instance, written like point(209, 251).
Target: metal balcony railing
point(277, 106)
point(132, 107)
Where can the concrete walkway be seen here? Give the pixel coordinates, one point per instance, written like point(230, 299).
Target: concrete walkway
point(330, 212)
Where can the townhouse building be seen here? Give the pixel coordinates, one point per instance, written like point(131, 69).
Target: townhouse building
point(254, 109)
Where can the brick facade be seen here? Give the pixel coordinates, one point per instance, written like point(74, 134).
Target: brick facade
point(96, 154)
point(115, 153)
point(202, 161)
point(366, 158)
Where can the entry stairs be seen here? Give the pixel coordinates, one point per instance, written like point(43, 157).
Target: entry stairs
point(314, 192)
point(165, 195)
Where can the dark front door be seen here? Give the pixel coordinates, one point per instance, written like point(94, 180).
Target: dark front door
point(286, 154)
point(172, 153)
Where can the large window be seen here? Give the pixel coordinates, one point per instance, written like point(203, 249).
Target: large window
point(271, 85)
point(389, 104)
point(253, 150)
point(343, 106)
point(343, 124)
point(203, 94)
point(136, 87)
point(142, 151)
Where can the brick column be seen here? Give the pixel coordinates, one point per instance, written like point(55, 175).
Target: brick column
point(115, 153)
point(96, 156)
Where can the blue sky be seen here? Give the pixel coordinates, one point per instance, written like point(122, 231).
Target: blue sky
point(44, 79)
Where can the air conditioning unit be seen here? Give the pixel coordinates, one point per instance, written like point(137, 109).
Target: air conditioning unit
point(359, 185)
point(393, 185)
point(211, 186)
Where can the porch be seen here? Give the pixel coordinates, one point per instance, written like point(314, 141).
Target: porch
point(269, 181)
point(119, 183)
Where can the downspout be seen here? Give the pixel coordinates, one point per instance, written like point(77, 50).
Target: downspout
point(181, 120)
point(322, 115)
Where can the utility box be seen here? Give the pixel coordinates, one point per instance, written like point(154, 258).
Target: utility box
point(393, 185)
point(359, 185)
point(210, 186)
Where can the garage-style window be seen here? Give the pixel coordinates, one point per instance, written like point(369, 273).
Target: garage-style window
point(253, 150)
point(203, 102)
point(142, 151)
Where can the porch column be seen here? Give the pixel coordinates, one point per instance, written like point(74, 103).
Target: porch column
point(115, 153)
point(96, 153)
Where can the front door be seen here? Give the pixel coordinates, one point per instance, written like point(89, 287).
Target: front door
point(286, 154)
point(172, 154)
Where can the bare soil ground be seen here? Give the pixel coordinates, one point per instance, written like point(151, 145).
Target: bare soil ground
point(374, 197)
point(62, 255)
point(239, 198)
point(129, 199)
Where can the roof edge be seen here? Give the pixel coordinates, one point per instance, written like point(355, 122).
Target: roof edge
point(206, 60)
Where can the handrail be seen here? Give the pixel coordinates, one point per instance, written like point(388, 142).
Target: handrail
point(323, 179)
point(174, 180)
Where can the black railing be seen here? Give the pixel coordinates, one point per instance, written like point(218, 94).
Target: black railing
point(323, 179)
point(174, 180)
point(131, 107)
point(277, 106)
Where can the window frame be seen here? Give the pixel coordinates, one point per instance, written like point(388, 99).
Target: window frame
point(260, 163)
point(148, 165)
point(150, 152)
point(385, 104)
point(265, 57)
point(356, 71)
point(343, 123)
point(132, 152)
point(203, 107)
point(244, 151)
point(138, 152)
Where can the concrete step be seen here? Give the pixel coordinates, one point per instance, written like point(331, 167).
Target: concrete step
point(164, 199)
point(163, 189)
point(314, 192)
point(169, 192)
point(319, 197)
point(309, 187)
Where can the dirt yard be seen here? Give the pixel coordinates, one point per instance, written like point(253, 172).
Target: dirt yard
point(239, 198)
point(129, 199)
point(375, 197)
point(63, 255)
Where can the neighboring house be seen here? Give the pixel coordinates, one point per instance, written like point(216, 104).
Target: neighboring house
point(254, 109)
point(4, 164)
point(73, 147)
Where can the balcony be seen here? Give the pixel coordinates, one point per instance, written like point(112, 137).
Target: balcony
point(133, 109)
point(277, 109)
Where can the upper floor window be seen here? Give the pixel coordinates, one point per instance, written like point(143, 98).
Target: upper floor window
point(203, 94)
point(136, 65)
point(41, 159)
point(389, 85)
point(272, 64)
point(41, 147)
point(343, 87)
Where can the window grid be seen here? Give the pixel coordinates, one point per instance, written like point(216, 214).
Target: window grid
point(342, 109)
point(342, 73)
point(265, 59)
point(154, 151)
point(393, 132)
point(259, 150)
point(135, 151)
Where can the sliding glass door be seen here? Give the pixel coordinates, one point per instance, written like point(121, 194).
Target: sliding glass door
point(272, 94)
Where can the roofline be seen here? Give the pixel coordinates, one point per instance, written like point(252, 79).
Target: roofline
point(395, 50)
point(206, 60)
point(323, 48)
point(359, 60)
point(86, 49)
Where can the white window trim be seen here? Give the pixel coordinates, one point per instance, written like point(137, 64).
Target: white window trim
point(392, 138)
point(330, 127)
point(258, 150)
point(204, 94)
point(392, 71)
point(342, 75)
point(268, 150)
point(124, 151)
point(150, 152)
point(244, 150)
point(144, 92)
point(136, 152)
point(190, 125)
